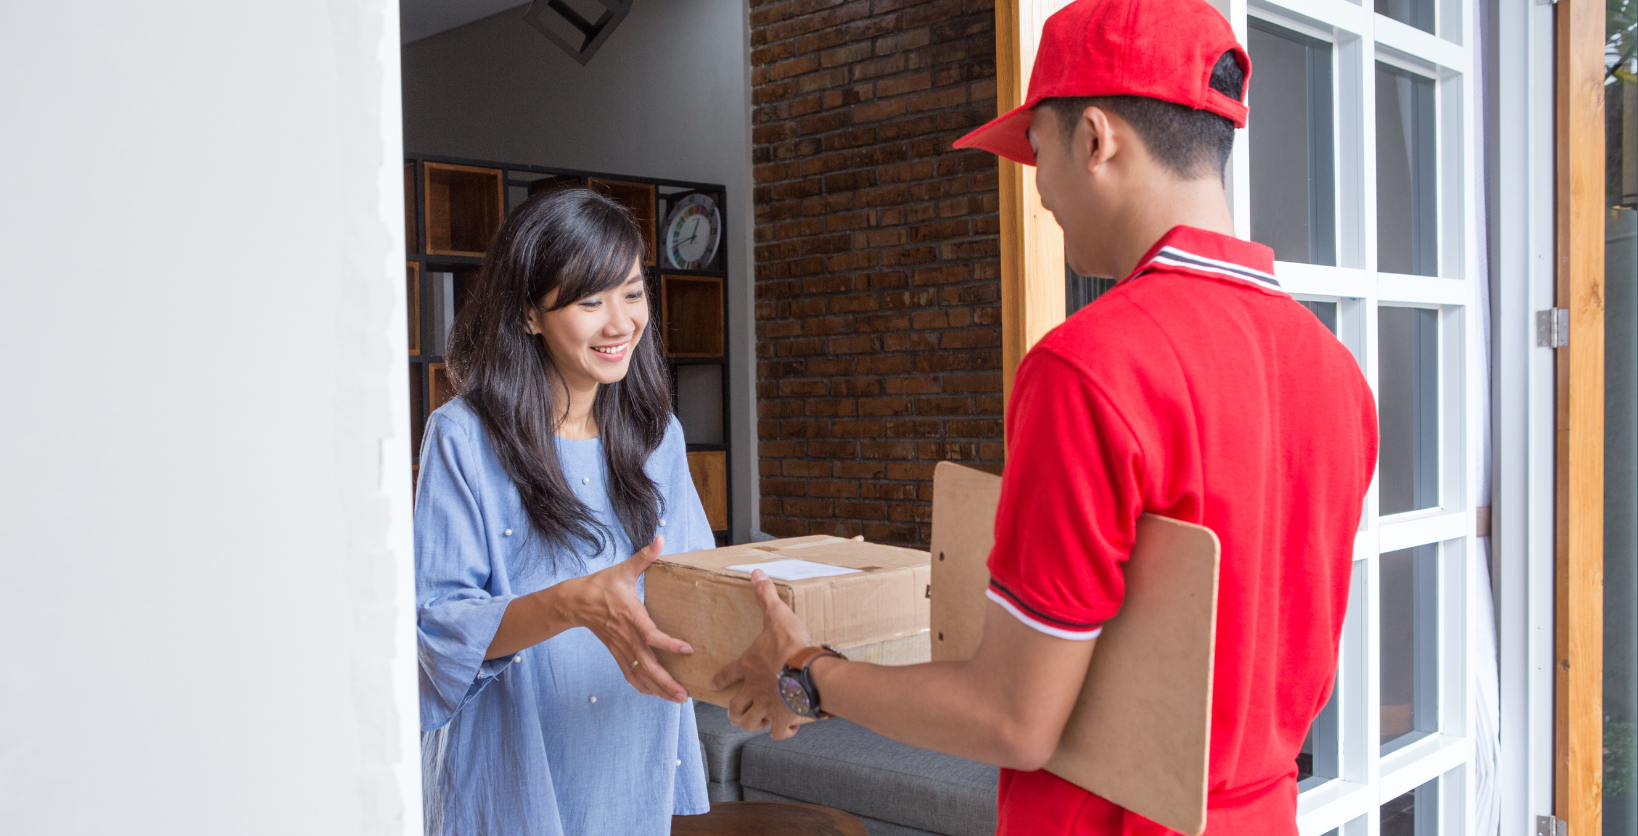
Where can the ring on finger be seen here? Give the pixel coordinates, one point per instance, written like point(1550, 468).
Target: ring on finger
point(636, 663)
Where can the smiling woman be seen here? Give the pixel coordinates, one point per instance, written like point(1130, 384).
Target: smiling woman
point(557, 460)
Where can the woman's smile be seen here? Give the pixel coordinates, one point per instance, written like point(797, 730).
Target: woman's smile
point(616, 351)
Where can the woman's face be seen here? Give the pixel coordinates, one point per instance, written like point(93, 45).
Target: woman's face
point(591, 339)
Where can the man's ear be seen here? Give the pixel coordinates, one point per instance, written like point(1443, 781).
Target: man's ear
point(1103, 140)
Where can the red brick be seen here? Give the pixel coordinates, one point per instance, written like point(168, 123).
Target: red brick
point(877, 274)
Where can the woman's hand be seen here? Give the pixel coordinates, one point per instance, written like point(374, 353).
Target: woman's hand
point(606, 603)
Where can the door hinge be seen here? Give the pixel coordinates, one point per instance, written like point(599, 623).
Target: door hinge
point(1553, 328)
point(1551, 826)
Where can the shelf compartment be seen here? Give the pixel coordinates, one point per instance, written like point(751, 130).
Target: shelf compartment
point(639, 199)
point(710, 474)
point(463, 207)
point(412, 301)
point(691, 315)
point(699, 403)
point(439, 388)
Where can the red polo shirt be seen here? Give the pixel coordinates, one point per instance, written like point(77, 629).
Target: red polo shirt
point(1195, 389)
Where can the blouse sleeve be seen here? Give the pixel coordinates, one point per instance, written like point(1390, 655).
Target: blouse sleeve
point(456, 616)
point(686, 528)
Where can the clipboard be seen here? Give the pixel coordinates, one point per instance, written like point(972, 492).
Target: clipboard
point(1140, 732)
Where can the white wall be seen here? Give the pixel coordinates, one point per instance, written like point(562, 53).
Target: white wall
point(204, 490)
point(666, 96)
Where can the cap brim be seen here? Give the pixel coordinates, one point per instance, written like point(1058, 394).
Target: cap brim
point(1006, 135)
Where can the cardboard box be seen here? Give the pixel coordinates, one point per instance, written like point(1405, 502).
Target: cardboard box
point(876, 613)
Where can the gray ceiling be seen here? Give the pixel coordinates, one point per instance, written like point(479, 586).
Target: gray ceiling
point(421, 18)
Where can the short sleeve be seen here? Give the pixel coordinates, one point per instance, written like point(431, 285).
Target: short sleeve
point(456, 617)
point(686, 527)
point(1070, 501)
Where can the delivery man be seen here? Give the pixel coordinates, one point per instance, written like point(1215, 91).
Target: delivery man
point(1195, 389)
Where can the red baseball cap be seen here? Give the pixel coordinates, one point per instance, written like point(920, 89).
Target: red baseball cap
point(1159, 49)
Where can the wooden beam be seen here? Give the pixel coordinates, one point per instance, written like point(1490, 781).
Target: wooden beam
point(1032, 245)
point(1579, 495)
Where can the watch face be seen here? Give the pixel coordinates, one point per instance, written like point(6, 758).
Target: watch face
point(794, 695)
point(692, 232)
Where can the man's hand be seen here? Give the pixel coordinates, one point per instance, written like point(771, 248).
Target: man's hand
point(757, 706)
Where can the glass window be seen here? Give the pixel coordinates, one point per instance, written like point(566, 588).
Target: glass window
point(1318, 756)
point(1416, 813)
point(1079, 291)
point(1407, 213)
point(1408, 645)
point(1326, 312)
point(1620, 785)
point(1418, 13)
point(1293, 190)
point(1408, 408)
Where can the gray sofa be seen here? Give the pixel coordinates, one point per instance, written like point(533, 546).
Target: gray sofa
point(896, 790)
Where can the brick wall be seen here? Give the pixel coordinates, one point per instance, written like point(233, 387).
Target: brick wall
point(877, 274)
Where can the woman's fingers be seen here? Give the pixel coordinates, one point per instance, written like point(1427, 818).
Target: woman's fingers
point(638, 563)
point(656, 639)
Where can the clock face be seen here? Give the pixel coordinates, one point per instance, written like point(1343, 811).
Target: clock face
point(692, 233)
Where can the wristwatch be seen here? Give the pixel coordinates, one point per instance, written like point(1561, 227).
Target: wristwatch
point(796, 687)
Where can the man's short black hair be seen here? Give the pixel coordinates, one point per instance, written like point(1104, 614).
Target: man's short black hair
point(1186, 141)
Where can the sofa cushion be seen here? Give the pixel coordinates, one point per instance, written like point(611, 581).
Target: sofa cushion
point(721, 740)
point(841, 765)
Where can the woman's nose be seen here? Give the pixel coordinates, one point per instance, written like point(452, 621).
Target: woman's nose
point(621, 321)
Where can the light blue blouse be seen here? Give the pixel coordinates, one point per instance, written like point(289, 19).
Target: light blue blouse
point(551, 741)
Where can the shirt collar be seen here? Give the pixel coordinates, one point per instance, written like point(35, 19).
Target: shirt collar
point(1191, 250)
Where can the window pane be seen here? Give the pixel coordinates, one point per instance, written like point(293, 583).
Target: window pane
point(1620, 784)
point(1418, 13)
point(1326, 312)
point(1292, 181)
point(1079, 291)
point(1318, 757)
point(1416, 813)
point(1408, 644)
point(1408, 408)
point(1406, 196)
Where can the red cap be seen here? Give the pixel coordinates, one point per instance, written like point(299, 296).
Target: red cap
point(1160, 49)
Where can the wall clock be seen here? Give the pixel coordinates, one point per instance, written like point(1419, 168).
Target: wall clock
point(692, 232)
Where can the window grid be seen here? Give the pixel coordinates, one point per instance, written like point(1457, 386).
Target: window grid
point(1351, 803)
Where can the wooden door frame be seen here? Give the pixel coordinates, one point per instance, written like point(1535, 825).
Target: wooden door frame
point(1579, 466)
point(1032, 245)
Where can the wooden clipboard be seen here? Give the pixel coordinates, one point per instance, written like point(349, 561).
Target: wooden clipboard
point(1140, 734)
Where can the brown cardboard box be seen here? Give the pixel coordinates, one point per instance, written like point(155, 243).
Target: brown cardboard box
point(1140, 733)
point(877, 614)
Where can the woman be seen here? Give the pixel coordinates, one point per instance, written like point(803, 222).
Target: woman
point(543, 709)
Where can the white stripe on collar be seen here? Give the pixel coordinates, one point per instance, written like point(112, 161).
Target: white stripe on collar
point(1174, 257)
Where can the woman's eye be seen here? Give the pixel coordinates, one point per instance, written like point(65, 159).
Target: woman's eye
point(634, 295)
point(591, 304)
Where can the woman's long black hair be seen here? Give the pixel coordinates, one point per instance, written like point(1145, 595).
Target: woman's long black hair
point(578, 243)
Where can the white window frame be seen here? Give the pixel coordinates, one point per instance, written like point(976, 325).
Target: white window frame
point(1352, 802)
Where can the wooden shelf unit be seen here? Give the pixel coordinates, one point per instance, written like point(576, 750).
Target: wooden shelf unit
point(463, 206)
point(637, 197)
point(453, 207)
point(691, 315)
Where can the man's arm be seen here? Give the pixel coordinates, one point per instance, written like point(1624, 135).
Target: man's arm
point(1007, 705)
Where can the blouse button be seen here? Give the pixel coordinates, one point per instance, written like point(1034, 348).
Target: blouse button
point(509, 532)
point(518, 658)
point(662, 523)
point(679, 761)
point(594, 699)
point(585, 480)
